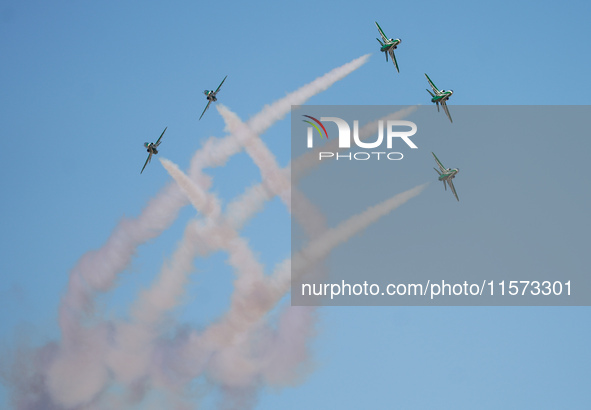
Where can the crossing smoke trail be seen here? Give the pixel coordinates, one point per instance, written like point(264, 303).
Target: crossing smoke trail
point(262, 157)
point(275, 179)
point(278, 183)
point(270, 293)
point(230, 341)
point(97, 270)
point(238, 352)
point(236, 343)
point(271, 174)
point(216, 152)
point(221, 338)
point(258, 194)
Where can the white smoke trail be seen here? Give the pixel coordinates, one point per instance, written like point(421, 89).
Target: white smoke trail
point(279, 184)
point(216, 152)
point(274, 112)
point(130, 358)
point(96, 271)
point(234, 364)
point(241, 209)
point(275, 179)
point(148, 312)
point(224, 235)
point(321, 247)
point(253, 307)
point(258, 194)
point(258, 151)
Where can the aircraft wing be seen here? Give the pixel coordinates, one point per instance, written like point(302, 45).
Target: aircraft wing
point(206, 107)
point(435, 89)
point(381, 32)
point(453, 189)
point(441, 167)
point(158, 142)
point(220, 86)
point(391, 51)
point(444, 105)
point(146, 163)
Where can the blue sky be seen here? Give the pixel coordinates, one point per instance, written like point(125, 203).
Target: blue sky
point(86, 84)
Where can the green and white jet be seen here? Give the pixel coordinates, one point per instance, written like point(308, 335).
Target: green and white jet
point(211, 96)
point(152, 148)
point(440, 97)
point(446, 175)
point(388, 45)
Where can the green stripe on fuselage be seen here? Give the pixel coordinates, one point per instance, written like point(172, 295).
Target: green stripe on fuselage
point(441, 97)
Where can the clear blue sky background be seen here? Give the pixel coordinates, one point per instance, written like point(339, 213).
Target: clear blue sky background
point(84, 85)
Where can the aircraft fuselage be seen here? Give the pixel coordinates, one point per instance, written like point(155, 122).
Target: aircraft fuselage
point(450, 174)
point(443, 97)
point(393, 45)
point(211, 95)
point(151, 147)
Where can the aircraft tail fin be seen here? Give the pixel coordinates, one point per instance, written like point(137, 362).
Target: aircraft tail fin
point(432, 95)
point(382, 44)
point(436, 170)
point(444, 185)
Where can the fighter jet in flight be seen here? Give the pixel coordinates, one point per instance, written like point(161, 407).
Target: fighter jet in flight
point(446, 175)
point(211, 96)
point(152, 148)
point(388, 45)
point(440, 97)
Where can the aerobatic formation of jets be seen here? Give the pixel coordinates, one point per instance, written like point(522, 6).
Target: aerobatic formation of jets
point(153, 147)
point(439, 97)
point(387, 46)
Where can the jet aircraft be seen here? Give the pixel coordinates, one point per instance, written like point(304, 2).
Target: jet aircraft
point(447, 174)
point(388, 45)
point(152, 148)
point(440, 97)
point(211, 96)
